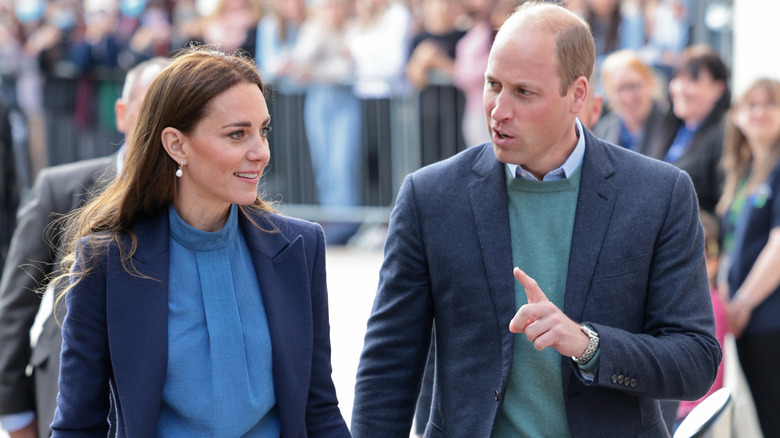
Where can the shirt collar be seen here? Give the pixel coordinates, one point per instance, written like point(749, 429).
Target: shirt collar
point(567, 168)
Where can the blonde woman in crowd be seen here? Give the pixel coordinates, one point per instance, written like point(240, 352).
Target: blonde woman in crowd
point(233, 25)
point(630, 88)
point(751, 209)
point(322, 62)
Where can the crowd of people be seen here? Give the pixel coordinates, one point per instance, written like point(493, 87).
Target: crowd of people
point(362, 53)
point(609, 226)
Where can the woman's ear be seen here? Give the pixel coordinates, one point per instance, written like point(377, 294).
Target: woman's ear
point(173, 142)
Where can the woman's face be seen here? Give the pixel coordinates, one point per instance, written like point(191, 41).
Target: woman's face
point(291, 10)
point(758, 117)
point(226, 152)
point(631, 94)
point(694, 98)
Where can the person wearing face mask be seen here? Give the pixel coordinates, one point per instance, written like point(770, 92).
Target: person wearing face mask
point(691, 136)
point(27, 402)
point(750, 208)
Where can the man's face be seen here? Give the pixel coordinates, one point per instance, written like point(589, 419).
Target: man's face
point(530, 123)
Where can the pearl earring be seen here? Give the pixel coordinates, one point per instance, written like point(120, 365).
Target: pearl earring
point(180, 172)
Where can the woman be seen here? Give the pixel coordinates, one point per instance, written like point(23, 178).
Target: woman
point(615, 25)
point(429, 69)
point(321, 61)
point(191, 301)
point(233, 25)
point(471, 57)
point(379, 45)
point(630, 88)
point(691, 137)
point(752, 163)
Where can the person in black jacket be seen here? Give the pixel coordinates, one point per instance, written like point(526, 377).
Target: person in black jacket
point(691, 137)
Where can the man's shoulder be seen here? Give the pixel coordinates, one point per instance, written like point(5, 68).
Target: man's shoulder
point(472, 159)
point(77, 170)
point(629, 164)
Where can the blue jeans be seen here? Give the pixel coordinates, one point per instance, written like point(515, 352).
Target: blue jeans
point(333, 127)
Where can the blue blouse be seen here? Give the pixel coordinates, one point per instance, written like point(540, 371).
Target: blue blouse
point(219, 379)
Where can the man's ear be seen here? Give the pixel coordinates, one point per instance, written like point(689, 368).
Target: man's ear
point(580, 89)
point(173, 142)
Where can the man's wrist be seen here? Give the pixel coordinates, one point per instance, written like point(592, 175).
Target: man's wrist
point(593, 345)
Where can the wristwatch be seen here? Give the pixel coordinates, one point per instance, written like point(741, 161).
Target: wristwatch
point(593, 345)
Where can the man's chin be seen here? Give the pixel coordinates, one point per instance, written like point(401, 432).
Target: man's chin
point(505, 156)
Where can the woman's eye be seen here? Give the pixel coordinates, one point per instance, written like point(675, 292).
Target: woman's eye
point(236, 135)
point(266, 129)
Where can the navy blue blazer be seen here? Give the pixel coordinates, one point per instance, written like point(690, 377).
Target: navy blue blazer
point(636, 273)
point(115, 337)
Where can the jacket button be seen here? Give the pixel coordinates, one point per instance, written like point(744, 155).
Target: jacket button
point(633, 383)
point(627, 381)
point(496, 395)
point(614, 378)
point(620, 379)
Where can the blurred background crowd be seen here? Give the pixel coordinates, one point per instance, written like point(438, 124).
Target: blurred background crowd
point(369, 90)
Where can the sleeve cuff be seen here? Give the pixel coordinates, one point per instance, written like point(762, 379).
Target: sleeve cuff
point(588, 370)
point(14, 422)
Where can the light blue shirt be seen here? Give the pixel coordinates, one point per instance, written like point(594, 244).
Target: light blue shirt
point(565, 170)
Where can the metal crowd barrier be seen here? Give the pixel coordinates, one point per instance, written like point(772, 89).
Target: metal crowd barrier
point(388, 154)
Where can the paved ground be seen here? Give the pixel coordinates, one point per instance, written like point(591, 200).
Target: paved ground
point(352, 280)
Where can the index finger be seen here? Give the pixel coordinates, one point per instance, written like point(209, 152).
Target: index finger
point(533, 292)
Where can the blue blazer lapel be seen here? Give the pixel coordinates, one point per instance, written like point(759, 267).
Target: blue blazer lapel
point(595, 206)
point(137, 320)
point(488, 199)
point(284, 284)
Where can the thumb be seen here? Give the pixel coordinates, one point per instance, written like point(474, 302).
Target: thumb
point(532, 291)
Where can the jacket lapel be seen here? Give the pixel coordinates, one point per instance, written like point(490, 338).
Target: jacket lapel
point(594, 208)
point(488, 199)
point(137, 319)
point(281, 268)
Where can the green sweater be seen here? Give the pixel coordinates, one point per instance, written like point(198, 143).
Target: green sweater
point(541, 219)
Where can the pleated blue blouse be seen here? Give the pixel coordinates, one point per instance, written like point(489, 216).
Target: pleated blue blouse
point(219, 379)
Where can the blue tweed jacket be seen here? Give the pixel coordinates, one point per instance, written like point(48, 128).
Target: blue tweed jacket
point(636, 273)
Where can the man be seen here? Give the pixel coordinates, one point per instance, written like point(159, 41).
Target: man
point(611, 303)
point(27, 403)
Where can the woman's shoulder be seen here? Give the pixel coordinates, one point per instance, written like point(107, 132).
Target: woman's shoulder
point(281, 223)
